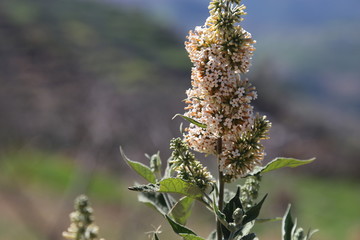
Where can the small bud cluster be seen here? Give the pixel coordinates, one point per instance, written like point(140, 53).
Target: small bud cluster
point(82, 225)
point(188, 168)
point(220, 98)
point(250, 191)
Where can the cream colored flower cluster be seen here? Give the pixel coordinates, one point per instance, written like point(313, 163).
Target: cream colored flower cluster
point(82, 225)
point(220, 97)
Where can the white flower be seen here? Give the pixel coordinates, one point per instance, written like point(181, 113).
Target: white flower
point(220, 98)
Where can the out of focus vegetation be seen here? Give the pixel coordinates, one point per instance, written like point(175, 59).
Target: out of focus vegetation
point(79, 78)
point(37, 189)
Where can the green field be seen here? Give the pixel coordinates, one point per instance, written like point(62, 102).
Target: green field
point(41, 186)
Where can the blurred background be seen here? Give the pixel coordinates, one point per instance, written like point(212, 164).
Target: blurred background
point(79, 78)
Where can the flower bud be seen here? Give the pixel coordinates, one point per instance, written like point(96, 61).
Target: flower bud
point(238, 216)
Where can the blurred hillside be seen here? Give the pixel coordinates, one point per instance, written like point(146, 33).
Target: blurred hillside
point(79, 78)
point(82, 77)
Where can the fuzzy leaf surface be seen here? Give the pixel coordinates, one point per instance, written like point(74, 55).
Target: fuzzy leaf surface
point(287, 225)
point(245, 230)
point(178, 228)
point(182, 210)
point(140, 168)
point(155, 200)
point(146, 188)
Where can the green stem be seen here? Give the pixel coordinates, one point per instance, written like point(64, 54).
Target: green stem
point(221, 188)
point(167, 201)
point(231, 237)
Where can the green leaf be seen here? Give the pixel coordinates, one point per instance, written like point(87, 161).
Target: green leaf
point(288, 225)
point(182, 210)
point(191, 120)
point(140, 168)
point(250, 236)
point(229, 209)
point(171, 185)
point(253, 212)
point(187, 236)
point(232, 205)
point(245, 229)
point(310, 233)
point(155, 200)
point(177, 185)
point(178, 228)
point(222, 218)
point(145, 188)
point(155, 237)
point(281, 163)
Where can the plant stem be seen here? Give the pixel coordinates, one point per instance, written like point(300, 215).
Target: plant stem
point(167, 201)
point(221, 188)
point(231, 237)
point(220, 203)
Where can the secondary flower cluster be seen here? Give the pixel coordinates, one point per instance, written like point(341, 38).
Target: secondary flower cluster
point(188, 168)
point(82, 222)
point(220, 97)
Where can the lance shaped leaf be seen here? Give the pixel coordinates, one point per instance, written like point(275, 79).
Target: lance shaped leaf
point(288, 226)
point(182, 210)
point(232, 205)
point(253, 212)
point(228, 211)
point(290, 230)
point(281, 163)
point(140, 168)
point(155, 237)
point(178, 228)
point(193, 121)
point(187, 236)
point(310, 233)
